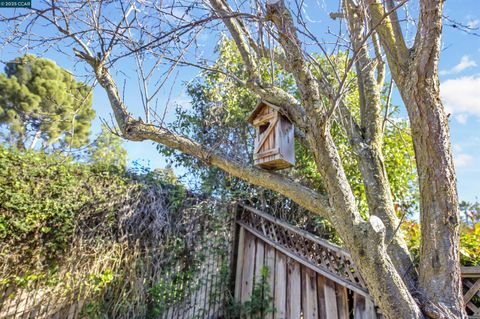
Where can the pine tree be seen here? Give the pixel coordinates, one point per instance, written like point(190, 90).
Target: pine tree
point(40, 101)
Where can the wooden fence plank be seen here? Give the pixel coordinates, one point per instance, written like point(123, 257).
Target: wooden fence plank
point(471, 272)
point(370, 309)
point(322, 312)
point(248, 267)
point(259, 259)
point(280, 285)
point(294, 289)
point(342, 301)
point(359, 307)
point(364, 308)
point(238, 275)
point(269, 262)
point(309, 296)
point(274, 243)
point(330, 299)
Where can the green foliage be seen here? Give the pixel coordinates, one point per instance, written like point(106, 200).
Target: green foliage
point(470, 245)
point(40, 197)
point(260, 302)
point(190, 271)
point(99, 281)
point(95, 231)
point(169, 291)
point(42, 101)
point(469, 242)
point(107, 150)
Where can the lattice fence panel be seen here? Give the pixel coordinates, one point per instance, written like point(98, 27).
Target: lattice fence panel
point(471, 290)
point(331, 260)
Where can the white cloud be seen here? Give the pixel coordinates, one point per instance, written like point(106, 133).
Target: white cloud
point(461, 96)
point(462, 160)
point(461, 118)
point(473, 23)
point(465, 63)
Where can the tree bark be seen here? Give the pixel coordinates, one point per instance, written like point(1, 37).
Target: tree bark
point(416, 74)
point(440, 276)
point(366, 141)
point(364, 240)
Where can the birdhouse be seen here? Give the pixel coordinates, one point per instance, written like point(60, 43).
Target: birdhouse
point(274, 138)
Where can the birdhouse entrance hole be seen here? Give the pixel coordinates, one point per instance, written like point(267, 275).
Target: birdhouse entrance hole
point(263, 128)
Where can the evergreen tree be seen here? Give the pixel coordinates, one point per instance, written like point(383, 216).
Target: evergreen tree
point(40, 101)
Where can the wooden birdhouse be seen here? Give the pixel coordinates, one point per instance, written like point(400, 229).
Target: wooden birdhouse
point(274, 138)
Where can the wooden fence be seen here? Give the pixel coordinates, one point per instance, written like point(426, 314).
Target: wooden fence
point(308, 277)
point(201, 296)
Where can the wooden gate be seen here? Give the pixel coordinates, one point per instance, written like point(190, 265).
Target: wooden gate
point(308, 277)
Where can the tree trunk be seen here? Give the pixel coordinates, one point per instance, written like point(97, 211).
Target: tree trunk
point(367, 143)
point(416, 73)
point(364, 240)
point(440, 277)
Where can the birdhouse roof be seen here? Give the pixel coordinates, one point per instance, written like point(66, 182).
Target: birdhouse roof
point(259, 108)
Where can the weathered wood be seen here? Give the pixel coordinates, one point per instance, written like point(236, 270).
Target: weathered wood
point(240, 254)
point(280, 285)
point(322, 312)
point(363, 308)
point(262, 137)
point(274, 146)
point(286, 134)
point(262, 108)
point(309, 296)
point(472, 291)
point(470, 283)
point(269, 262)
point(371, 310)
point(259, 259)
point(292, 260)
point(306, 262)
point(299, 231)
point(359, 307)
point(342, 301)
point(471, 272)
point(266, 153)
point(248, 267)
point(262, 119)
point(294, 289)
point(330, 299)
point(273, 162)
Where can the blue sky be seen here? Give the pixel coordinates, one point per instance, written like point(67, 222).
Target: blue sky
point(460, 91)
